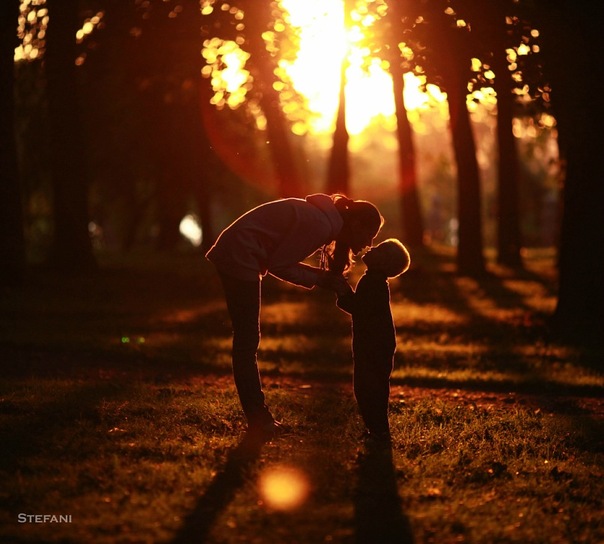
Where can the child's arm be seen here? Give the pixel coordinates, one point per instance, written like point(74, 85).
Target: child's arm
point(346, 300)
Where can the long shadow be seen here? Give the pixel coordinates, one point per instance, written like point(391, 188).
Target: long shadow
point(436, 284)
point(240, 464)
point(538, 387)
point(378, 512)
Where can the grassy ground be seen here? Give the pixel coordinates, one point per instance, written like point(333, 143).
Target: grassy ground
point(117, 408)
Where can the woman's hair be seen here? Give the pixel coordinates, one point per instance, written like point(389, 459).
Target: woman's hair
point(337, 257)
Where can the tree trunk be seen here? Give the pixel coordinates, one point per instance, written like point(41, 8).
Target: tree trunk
point(338, 168)
point(470, 259)
point(72, 248)
point(258, 19)
point(569, 30)
point(451, 56)
point(509, 240)
point(411, 214)
point(491, 34)
point(12, 243)
point(412, 221)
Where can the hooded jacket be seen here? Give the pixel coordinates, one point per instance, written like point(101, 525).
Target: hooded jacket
point(275, 238)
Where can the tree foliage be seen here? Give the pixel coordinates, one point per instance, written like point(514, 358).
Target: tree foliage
point(150, 117)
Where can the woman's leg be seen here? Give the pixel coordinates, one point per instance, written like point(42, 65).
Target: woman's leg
point(243, 303)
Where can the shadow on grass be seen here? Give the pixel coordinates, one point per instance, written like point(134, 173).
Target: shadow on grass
point(378, 513)
point(538, 387)
point(240, 464)
point(31, 429)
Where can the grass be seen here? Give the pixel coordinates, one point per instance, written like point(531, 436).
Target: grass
point(117, 408)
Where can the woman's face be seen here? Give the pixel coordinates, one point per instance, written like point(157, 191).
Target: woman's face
point(360, 236)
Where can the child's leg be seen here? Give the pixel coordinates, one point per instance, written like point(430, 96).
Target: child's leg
point(243, 302)
point(372, 391)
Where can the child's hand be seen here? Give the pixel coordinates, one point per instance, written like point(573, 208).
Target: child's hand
point(342, 287)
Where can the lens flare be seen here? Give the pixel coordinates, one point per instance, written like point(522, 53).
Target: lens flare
point(283, 488)
point(191, 230)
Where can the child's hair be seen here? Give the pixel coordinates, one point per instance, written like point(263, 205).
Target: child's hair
point(337, 257)
point(399, 259)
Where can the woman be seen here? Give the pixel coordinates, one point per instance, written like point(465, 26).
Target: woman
point(275, 238)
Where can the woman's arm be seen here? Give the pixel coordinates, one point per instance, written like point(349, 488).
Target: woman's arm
point(300, 274)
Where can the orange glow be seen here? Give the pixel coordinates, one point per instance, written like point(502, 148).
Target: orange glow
point(283, 488)
point(32, 25)
point(226, 69)
point(31, 29)
point(316, 71)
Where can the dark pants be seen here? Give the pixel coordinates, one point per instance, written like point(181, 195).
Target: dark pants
point(372, 389)
point(243, 303)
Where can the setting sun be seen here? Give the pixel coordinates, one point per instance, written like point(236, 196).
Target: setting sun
point(324, 42)
point(323, 36)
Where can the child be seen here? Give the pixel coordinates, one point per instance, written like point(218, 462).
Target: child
point(275, 238)
point(373, 333)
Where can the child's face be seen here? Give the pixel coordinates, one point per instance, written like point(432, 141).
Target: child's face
point(376, 258)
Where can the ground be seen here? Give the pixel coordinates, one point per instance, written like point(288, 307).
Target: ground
point(117, 408)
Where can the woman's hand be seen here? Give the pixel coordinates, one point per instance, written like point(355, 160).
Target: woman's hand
point(334, 282)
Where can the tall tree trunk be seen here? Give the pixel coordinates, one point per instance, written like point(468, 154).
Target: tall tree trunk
point(491, 33)
point(470, 259)
point(338, 166)
point(12, 243)
point(509, 240)
point(289, 180)
point(451, 55)
point(258, 19)
point(72, 248)
point(569, 30)
point(412, 221)
point(210, 163)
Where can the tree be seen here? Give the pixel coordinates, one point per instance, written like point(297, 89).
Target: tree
point(259, 19)
point(169, 65)
point(509, 240)
point(145, 97)
point(385, 39)
point(338, 168)
point(12, 244)
point(72, 247)
point(571, 33)
point(492, 37)
point(118, 125)
point(256, 29)
point(412, 220)
point(447, 50)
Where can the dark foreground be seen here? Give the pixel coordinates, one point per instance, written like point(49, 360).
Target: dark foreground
point(119, 421)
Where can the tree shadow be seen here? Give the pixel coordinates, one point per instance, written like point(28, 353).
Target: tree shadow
point(378, 513)
point(239, 466)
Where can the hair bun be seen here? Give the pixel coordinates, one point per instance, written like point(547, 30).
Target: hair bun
point(342, 201)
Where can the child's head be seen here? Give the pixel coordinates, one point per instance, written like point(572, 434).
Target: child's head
point(390, 257)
